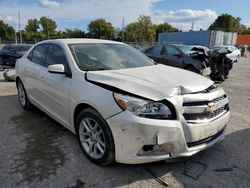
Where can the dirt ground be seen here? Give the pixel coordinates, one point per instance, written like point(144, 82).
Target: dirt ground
point(35, 151)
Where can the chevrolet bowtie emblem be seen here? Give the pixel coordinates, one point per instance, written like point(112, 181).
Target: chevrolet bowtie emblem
point(210, 109)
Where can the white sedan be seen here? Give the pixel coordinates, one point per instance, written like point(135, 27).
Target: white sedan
point(122, 106)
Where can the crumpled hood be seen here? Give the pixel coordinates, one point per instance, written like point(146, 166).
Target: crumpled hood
point(153, 82)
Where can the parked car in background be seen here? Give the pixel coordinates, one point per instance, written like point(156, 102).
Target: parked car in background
point(122, 106)
point(11, 52)
point(220, 64)
point(235, 52)
point(181, 56)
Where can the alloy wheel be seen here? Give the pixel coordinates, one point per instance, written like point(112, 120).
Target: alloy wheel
point(21, 94)
point(92, 138)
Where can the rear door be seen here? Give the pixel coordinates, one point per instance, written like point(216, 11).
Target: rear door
point(35, 70)
point(173, 57)
point(57, 85)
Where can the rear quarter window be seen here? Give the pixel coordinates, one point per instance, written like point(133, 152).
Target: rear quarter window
point(37, 55)
point(156, 51)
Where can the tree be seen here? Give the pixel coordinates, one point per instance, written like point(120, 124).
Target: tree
point(75, 33)
point(140, 31)
point(227, 23)
point(32, 26)
point(101, 29)
point(244, 30)
point(147, 32)
point(132, 32)
point(33, 37)
point(164, 28)
point(7, 32)
point(48, 26)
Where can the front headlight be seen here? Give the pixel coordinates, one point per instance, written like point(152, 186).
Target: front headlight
point(143, 108)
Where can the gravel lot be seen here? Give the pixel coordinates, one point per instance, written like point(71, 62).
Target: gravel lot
point(35, 151)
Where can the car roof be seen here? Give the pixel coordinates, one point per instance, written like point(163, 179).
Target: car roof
point(81, 40)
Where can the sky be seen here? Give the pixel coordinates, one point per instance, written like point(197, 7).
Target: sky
point(78, 13)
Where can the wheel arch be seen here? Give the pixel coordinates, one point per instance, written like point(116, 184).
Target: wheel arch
point(17, 80)
point(189, 66)
point(111, 156)
point(80, 107)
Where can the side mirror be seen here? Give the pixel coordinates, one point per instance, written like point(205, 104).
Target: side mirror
point(57, 69)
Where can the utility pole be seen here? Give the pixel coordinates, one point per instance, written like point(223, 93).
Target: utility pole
point(123, 23)
point(192, 25)
point(19, 23)
point(15, 37)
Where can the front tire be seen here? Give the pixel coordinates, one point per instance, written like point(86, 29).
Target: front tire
point(95, 137)
point(22, 96)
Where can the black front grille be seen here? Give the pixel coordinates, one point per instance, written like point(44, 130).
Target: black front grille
point(218, 112)
point(218, 99)
point(207, 112)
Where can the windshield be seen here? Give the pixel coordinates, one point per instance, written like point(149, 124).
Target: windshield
point(186, 49)
point(102, 56)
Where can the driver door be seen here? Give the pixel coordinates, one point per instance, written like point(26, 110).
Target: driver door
point(57, 85)
point(173, 57)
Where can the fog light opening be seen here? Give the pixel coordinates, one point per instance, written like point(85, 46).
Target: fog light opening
point(156, 150)
point(148, 148)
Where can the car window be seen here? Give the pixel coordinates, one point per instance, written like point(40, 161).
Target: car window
point(186, 49)
point(156, 51)
point(38, 54)
point(6, 47)
point(170, 50)
point(55, 55)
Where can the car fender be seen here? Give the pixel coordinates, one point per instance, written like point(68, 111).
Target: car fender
point(194, 62)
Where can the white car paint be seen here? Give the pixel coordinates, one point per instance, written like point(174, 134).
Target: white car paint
point(58, 96)
point(235, 52)
point(152, 82)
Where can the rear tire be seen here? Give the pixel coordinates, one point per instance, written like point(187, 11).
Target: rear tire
point(95, 137)
point(22, 96)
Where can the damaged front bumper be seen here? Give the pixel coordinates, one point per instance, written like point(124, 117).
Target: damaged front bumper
point(142, 140)
point(206, 71)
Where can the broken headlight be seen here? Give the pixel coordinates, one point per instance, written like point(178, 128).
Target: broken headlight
point(143, 107)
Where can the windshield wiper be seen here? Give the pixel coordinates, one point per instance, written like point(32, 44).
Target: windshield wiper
point(100, 69)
